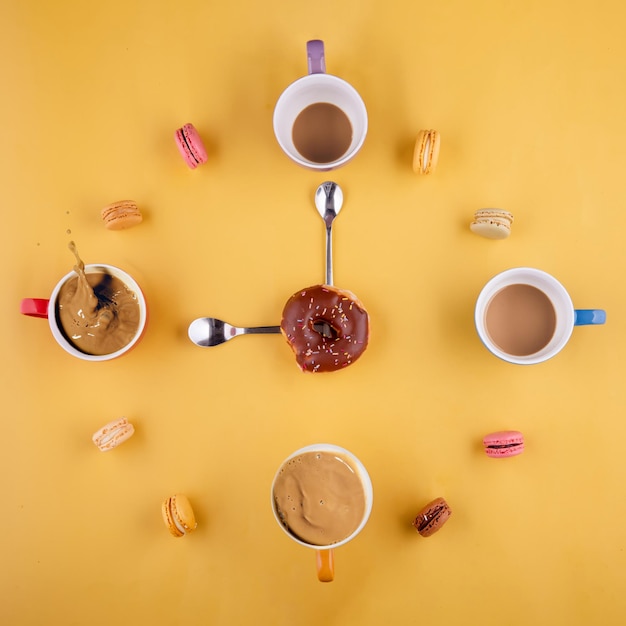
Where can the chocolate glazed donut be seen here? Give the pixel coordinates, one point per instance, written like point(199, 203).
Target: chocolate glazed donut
point(327, 328)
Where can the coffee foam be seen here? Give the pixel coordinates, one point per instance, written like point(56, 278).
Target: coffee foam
point(319, 497)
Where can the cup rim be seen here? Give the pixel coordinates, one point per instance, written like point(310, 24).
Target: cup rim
point(563, 307)
point(129, 281)
point(294, 155)
point(365, 480)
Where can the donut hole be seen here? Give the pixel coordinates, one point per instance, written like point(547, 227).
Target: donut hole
point(325, 329)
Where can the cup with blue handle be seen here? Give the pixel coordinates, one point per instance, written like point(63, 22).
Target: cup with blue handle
point(526, 316)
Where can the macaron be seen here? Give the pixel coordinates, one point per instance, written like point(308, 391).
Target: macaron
point(121, 214)
point(178, 515)
point(113, 434)
point(432, 517)
point(190, 146)
point(426, 152)
point(503, 444)
point(492, 223)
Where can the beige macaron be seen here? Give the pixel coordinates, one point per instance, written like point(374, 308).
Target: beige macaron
point(122, 214)
point(113, 434)
point(178, 515)
point(426, 152)
point(492, 223)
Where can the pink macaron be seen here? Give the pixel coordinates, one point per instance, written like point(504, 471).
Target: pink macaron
point(503, 444)
point(190, 146)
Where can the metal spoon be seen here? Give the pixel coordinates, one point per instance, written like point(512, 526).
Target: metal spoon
point(328, 201)
point(208, 331)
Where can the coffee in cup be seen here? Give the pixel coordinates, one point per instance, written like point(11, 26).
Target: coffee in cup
point(322, 498)
point(520, 319)
point(96, 312)
point(320, 120)
point(525, 316)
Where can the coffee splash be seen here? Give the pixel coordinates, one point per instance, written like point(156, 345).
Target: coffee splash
point(319, 497)
point(97, 312)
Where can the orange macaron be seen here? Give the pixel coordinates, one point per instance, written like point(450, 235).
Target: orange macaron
point(121, 214)
point(178, 515)
point(426, 153)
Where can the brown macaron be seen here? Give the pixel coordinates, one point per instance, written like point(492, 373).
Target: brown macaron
point(426, 152)
point(432, 517)
point(122, 214)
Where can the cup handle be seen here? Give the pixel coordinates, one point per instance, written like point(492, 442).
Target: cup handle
point(325, 562)
point(34, 307)
point(584, 317)
point(315, 56)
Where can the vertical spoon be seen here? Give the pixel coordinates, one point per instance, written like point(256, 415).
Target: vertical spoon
point(328, 202)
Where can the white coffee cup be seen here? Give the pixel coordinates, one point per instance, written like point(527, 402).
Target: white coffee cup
point(319, 87)
point(325, 554)
point(565, 316)
point(47, 308)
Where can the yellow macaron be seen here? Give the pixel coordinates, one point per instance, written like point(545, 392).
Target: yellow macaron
point(121, 214)
point(426, 152)
point(178, 515)
point(113, 434)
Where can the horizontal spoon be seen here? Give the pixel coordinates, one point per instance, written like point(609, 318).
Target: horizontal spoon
point(209, 331)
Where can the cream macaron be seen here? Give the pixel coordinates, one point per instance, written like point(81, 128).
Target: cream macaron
point(113, 434)
point(492, 223)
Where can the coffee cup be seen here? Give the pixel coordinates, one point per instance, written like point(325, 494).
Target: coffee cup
point(525, 316)
point(333, 502)
point(133, 330)
point(320, 120)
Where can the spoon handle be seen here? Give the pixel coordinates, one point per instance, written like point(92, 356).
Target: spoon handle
point(262, 330)
point(329, 255)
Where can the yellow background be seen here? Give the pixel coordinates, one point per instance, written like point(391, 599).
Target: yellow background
point(529, 98)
